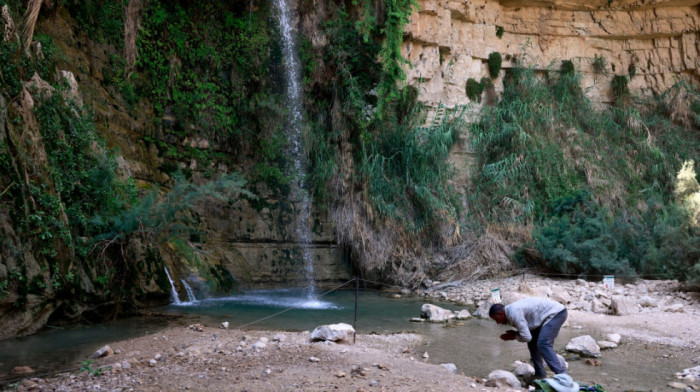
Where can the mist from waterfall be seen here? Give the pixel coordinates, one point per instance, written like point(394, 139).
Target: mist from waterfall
point(297, 152)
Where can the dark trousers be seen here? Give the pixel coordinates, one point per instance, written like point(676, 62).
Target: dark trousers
point(541, 346)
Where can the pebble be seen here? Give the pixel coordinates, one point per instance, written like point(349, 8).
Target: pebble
point(152, 363)
point(314, 359)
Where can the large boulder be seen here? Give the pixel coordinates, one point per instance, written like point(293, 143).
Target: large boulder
point(623, 306)
point(648, 302)
point(584, 345)
point(333, 332)
point(483, 310)
point(436, 314)
point(502, 376)
point(561, 295)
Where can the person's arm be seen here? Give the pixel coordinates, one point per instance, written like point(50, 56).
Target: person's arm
point(518, 321)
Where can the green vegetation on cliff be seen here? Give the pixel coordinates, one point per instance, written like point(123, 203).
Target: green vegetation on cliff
point(599, 189)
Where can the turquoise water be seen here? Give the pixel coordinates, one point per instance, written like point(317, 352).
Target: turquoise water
point(292, 310)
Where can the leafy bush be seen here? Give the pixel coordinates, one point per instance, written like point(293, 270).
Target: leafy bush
point(567, 67)
point(494, 62)
point(474, 90)
point(581, 239)
point(499, 31)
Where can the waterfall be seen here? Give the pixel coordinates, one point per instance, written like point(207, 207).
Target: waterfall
point(297, 151)
point(190, 293)
point(173, 292)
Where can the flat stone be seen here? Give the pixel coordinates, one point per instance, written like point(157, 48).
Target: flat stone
point(613, 337)
point(677, 385)
point(450, 367)
point(606, 345)
point(675, 308)
point(463, 315)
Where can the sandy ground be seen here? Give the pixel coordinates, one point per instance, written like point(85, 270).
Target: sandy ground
point(187, 358)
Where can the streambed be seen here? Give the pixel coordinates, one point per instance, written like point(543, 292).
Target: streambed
point(473, 346)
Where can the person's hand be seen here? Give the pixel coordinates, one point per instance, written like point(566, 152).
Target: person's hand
point(509, 335)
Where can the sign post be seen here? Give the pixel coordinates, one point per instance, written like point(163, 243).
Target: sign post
point(609, 282)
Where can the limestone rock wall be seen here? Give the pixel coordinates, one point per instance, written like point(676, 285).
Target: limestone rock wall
point(449, 41)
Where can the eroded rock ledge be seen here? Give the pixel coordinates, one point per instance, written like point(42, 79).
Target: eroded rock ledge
point(448, 42)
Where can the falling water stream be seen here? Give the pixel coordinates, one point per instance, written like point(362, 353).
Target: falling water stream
point(297, 152)
point(173, 292)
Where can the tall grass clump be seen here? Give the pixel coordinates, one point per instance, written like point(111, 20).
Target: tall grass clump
point(406, 169)
point(597, 185)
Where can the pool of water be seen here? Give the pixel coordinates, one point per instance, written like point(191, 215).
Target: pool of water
point(473, 346)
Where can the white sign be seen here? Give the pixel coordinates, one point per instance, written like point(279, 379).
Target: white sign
point(609, 282)
point(496, 295)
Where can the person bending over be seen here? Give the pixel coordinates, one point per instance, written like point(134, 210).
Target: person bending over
point(537, 322)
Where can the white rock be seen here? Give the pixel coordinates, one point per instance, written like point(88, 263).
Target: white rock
point(524, 370)
point(259, 345)
point(280, 337)
point(426, 355)
point(600, 307)
point(333, 332)
point(606, 345)
point(435, 314)
point(563, 361)
point(675, 308)
point(561, 295)
point(314, 359)
point(104, 351)
point(450, 367)
point(648, 302)
point(613, 337)
point(504, 376)
point(584, 345)
point(463, 315)
point(693, 371)
point(126, 365)
point(151, 362)
point(623, 306)
point(484, 307)
point(224, 325)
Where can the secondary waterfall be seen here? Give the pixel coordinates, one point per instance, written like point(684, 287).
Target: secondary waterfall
point(190, 294)
point(297, 151)
point(173, 292)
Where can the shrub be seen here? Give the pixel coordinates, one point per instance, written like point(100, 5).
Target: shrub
point(567, 67)
point(474, 90)
point(495, 61)
point(499, 31)
point(620, 90)
point(600, 65)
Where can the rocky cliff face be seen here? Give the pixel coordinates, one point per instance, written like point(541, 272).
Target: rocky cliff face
point(655, 43)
